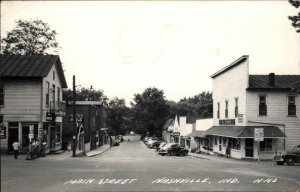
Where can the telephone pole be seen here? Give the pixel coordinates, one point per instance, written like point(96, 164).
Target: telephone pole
point(74, 117)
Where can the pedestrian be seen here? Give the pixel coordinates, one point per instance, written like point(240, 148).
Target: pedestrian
point(16, 147)
point(30, 152)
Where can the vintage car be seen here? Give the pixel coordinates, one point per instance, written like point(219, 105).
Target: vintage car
point(289, 157)
point(173, 149)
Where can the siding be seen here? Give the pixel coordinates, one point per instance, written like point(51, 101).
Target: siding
point(228, 86)
point(277, 114)
point(22, 97)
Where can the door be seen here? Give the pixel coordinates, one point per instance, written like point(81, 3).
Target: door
point(52, 135)
point(12, 137)
point(248, 147)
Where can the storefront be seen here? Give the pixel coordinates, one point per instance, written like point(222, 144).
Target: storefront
point(240, 140)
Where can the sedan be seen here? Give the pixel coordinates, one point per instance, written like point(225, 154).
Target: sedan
point(173, 149)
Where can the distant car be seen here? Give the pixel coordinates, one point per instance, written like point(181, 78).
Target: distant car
point(149, 141)
point(289, 157)
point(173, 149)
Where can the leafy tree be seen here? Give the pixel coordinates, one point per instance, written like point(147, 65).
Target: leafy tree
point(85, 94)
point(118, 118)
point(150, 111)
point(32, 37)
point(295, 19)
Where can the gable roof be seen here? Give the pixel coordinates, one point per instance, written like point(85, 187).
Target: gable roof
point(232, 65)
point(168, 123)
point(31, 66)
point(281, 82)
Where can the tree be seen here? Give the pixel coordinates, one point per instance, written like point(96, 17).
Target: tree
point(150, 111)
point(118, 117)
point(85, 94)
point(32, 37)
point(295, 19)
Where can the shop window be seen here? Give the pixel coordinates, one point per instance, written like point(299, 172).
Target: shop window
point(25, 134)
point(266, 145)
point(262, 105)
point(224, 141)
point(57, 133)
point(235, 143)
point(1, 93)
point(291, 106)
point(216, 140)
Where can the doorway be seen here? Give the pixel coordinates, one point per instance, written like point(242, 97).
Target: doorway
point(248, 147)
point(13, 135)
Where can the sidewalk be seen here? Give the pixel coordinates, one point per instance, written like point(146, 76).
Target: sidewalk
point(230, 160)
point(97, 151)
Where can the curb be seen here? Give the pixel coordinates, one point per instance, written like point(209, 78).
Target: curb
point(101, 152)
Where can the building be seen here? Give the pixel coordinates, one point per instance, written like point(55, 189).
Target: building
point(167, 130)
point(91, 127)
point(31, 106)
point(243, 103)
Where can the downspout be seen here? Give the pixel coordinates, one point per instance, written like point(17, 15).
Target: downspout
point(275, 125)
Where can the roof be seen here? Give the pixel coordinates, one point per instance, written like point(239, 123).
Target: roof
point(30, 66)
point(196, 133)
point(244, 131)
point(168, 123)
point(232, 65)
point(282, 82)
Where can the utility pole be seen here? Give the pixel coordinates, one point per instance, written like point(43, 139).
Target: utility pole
point(74, 117)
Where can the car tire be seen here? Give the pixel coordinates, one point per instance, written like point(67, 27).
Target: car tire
point(280, 162)
point(290, 161)
point(171, 153)
point(186, 153)
point(162, 154)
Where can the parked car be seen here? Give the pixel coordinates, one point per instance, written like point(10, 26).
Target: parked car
point(289, 157)
point(154, 144)
point(149, 141)
point(173, 149)
point(161, 145)
point(146, 139)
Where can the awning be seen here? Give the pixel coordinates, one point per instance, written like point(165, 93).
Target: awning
point(244, 131)
point(185, 137)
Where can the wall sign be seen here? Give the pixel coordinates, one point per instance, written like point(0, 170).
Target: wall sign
point(79, 118)
point(50, 116)
point(227, 122)
point(2, 131)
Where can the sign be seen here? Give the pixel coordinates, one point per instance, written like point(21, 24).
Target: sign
point(79, 118)
point(2, 131)
point(258, 134)
point(50, 116)
point(175, 134)
point(227, 122)
point(30, 135)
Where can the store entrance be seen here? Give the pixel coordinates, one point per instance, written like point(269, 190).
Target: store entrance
point(248, 147)
point(12, 137)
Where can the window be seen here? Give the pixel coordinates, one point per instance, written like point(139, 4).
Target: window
point(216, 141)
point(220, 143)
point(58, 94)
point(224, 141)
point(226, 109)
point(218, 111)
point(235, 143)
point(236, 109)
point(291, 106)
point(262, 105)
point(53, 92)
point(266, 145)
point(1, 93)
point(47, 93)
point(53, 75)
point(57, 132)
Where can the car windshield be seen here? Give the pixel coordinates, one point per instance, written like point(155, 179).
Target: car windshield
point(168, 145)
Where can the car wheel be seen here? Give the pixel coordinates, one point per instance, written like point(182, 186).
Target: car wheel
point(280, 162)
point(290, 161)
point(171, 153)
point(186, 153)
point(162, 154)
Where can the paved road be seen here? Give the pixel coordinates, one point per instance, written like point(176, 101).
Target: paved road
point(134, 167)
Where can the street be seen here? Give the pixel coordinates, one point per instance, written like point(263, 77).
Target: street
point(134, 167)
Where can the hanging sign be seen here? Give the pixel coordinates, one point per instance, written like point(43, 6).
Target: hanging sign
point(258, 134)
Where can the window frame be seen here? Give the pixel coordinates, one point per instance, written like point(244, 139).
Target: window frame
point(291, 104)
point(218, 111)
point(261, 104)
point(226, 108)
point(262, 145)
point(236, 108)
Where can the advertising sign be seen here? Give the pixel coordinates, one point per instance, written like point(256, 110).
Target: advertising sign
point(2, 131)
point(259, 134)
point(79, 118)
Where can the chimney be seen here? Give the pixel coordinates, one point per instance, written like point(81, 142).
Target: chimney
point(272, 79)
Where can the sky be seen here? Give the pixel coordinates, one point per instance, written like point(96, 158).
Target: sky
point(123, 48)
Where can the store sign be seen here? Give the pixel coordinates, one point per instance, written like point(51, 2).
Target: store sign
point(258, 134)
point(50, 116)
point(2, 131)
point(227, 122)
point(240, 118)
point(175, 133)
point(79, 118)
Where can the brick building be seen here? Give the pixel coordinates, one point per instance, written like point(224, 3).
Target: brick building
point(244, 102)
point(91, 125)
